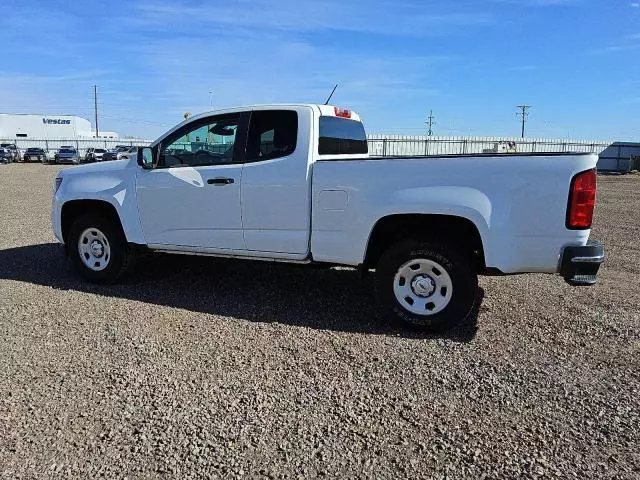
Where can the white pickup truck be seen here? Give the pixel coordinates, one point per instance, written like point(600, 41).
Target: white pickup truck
point(294, 183)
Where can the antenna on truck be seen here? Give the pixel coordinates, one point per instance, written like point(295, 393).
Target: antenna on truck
point(332, 92)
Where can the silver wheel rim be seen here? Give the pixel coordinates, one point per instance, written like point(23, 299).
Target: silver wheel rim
point(423, 287)
point(94, 249)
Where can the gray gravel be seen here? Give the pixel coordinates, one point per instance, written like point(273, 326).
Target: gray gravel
point(199, 367)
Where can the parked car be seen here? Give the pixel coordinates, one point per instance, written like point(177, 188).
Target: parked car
point(108, 156)
point(122, 152)
point(50, 158)
point(117, 153)
point(34, 154)
point(299, 187)
point(132, 152)
point(14, 151)
point(93, 155)
point(67, 155)
point(5, 155)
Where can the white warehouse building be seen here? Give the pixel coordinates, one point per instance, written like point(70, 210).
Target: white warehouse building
point(40, 126)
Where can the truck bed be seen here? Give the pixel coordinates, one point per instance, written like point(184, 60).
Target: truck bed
point(518, 208)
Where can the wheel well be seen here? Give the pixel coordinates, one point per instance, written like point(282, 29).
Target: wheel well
point(74, 208)
point(457, 230)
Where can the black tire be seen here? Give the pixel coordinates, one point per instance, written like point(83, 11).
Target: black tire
point(120, 256)
point(458, 266)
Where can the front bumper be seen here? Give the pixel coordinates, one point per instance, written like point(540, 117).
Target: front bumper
point(579, 265)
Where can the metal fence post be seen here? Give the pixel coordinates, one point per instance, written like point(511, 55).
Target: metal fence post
point(426, 147)
point(384, 147)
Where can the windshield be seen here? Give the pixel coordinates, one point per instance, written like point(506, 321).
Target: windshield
point(99, 150)
point(34, 150)
point(66, 150)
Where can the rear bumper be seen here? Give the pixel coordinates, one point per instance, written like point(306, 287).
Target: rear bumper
point(579, 265)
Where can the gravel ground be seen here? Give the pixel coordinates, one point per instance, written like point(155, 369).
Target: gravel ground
point(199, 367)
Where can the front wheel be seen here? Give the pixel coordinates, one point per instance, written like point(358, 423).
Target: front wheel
point(429, 286)
point(97, 249)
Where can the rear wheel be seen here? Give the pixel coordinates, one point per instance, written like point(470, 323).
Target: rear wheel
point(97, 249)
point(429, 286)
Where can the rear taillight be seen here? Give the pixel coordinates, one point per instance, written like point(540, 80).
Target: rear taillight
point(342, 112)
point(582, 200)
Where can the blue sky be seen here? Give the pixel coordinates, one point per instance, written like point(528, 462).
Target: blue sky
point(471, 61)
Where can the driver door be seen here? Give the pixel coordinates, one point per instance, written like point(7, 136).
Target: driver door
point(191, 198)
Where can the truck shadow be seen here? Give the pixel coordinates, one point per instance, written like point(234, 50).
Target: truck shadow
point(320, 298)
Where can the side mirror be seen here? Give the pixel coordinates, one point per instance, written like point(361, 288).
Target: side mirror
point(145, 157)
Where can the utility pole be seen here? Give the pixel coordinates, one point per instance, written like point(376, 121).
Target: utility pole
point(430, 122)
point(95, 107)
point(523, 114)
point(210, 98)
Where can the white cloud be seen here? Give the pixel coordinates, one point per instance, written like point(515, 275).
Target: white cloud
point(389, 18)
point(616, 48)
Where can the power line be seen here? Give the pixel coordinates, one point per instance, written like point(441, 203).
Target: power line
point(523, 114)
point(430, 122)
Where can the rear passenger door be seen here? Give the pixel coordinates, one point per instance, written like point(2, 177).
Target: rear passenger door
point(276, 182)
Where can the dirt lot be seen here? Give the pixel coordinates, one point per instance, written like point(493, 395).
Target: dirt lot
point(198, 367)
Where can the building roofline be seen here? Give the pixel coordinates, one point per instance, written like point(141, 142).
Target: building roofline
point(45, 115)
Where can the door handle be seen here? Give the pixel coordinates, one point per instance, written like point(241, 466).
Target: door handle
point(220, 181)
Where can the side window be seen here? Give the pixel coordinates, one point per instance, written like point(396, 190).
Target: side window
point(209, 141)
point(272, 134)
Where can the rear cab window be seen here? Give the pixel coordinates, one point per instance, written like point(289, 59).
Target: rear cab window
point(341, 135)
